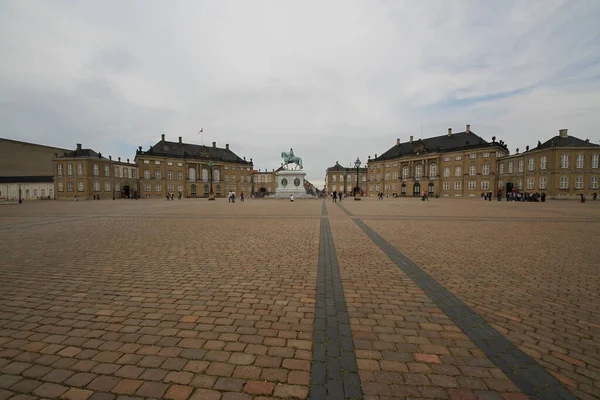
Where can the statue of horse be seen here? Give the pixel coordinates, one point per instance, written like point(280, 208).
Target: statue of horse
point(291, 159)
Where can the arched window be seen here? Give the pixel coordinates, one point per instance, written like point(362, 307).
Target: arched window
point(418, 172)
point(405, 173)
point(216, 175)
point(205, 174)
point(192, 174)
point(432, 171)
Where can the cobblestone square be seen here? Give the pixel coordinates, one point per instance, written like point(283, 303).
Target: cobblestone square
point(392, 299)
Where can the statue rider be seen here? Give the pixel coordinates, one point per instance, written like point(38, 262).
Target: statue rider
point(291, 152)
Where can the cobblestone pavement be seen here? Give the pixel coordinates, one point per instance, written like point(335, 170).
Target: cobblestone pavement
point(210, 300)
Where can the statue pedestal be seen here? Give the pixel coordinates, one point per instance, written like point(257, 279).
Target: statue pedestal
point(290, 182)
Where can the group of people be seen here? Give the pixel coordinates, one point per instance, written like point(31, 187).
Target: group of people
point(337, 195)
point(171, 196)
point(594, 197)
point(231, 197)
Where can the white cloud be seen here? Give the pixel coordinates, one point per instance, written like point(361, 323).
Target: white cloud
point(335, 80)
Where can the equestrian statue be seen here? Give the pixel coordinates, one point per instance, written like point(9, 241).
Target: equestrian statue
point(290, 158)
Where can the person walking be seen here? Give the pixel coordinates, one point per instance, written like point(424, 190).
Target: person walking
point(292, 198)
point(242, 197)
point(340, 194)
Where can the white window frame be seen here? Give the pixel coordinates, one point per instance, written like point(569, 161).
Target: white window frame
point(96, 186)
point(70, 186)
point(530, 183)
point(485, 185)
point(446, 186)
point(543, 183)
point(80, 186)
point(531, 164)
point(61, 187)
point(473, 156)
point(70, 169)
point(511, 166)
point(594, 182)
point(180, 187)
point(501, 168)
point(580, 161)
point(170, 175)
point(432, 171)
point(472, 170)
point(158, 187)
point(418, 171)
point(96, 170)
point(106, 170)
point(595, 160)
point(579, 182)
point(147, 187)
point(107, 186)
point(521, 165)
point(80, 169)
point(405, 172)
point(157, 174)
point(458, 171)
point(146, 174)
point(564, 161)
point(485, 169)
point(458, 158)
point(457, 185)
point(486, 155)
point(133, 173)
point(564, 182)
point(543, 162)
point(472, 185)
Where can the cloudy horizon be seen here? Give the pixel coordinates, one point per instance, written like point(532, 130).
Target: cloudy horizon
point(333, 80)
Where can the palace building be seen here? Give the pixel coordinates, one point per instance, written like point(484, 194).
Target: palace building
point(86, 174)
point(343, 179)
point(191, 169)
point(563, 166)
point(453, 165)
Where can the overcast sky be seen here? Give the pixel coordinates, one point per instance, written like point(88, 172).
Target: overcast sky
point(332, 79)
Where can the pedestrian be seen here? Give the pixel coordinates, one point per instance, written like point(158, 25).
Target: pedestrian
point(179, 196)
point(334, 196)
point(422, 195)
point(594, 196)
point(340, 194)
point(233, 197)
point(242, 197)
point(292, 198)
point(582, 197)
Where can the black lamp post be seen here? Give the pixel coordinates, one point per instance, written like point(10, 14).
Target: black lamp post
point(210, 166)
point(357, 188)
point(20, 199)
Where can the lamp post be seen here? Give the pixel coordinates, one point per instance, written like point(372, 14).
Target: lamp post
point(20, 199)
point(357, 188)
point(211, 196)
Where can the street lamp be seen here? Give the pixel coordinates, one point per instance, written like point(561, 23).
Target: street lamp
point(20, 199)
point(210, 166)
point(357, 188)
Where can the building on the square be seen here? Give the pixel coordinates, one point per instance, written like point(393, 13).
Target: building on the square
point(86, 174)
point(453, 165)
point(189, 169)
point(26, 166)
point(563, 166)
point(343, 179)
point(265, 182)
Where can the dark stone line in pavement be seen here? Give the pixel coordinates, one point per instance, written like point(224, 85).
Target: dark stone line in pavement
point(334, 372)
point(524, 371)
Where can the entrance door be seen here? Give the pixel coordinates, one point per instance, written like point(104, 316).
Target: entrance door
point(218, 190)
point(193, 190)
point(417, 189)
point(509, 187)
point(126, 191)
point(430, 189)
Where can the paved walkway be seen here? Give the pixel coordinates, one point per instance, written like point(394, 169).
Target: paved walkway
point(393, 299)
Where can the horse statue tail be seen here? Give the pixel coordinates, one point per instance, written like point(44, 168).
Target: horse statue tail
point(300, 162)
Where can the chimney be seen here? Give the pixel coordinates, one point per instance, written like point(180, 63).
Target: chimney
point(110, 158)
point(398, 142)
point(128, 161)
point(78, 146)
point(227, 146)
point(411, 140)
point(162, 137)
point(468, 130)
point(99, 155)
point(449, 131)
point(563, 133)
point(180, 141)
point(250, 159)
point(214, 145)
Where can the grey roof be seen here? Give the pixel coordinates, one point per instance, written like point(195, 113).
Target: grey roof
point(438, 144)
point(176, 149)
point(338, 167)
point(568, 141)
point(77, 153)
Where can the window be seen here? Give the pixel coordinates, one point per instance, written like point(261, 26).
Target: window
point(486, 155)
point(446, 172)
point(457, 171)
point(169, 163)
point(61, 188)
point(530, 183)
point(125, 173)
point(473, 170)
point(216, 175)
point(34, 192)
point(107, 187)
point(96, 170)
point(432, 171)
point(458, 158)
point(158, 187)
point(579, 161)
point(157, 162)
point(69, 169)
point(457, 185)
point(564, 161)
point(531, 165)
point(564, 182)
point(70, 186)
point(520, 165)
point(446, 158)
point(204, 174)
point(80, 169)
point(579, 182)
point(594, 182)
point(60, 169)
point(485, 185)
point(405, 173)
point(472, 156)
point(170, 188)
point(147, 187)
point(364, 178)
point(387, 176)
point(341, 178)
point(192, 173)
point(378, 187)
point(510, 167)
point(446, 186)
point(395, 175)
point(501, 168)
point(106, 170)
point(170, 175)
point(180, 176)
point(520, 184)
point(146, 161)
point(500, 183)
point(485, 169)
point(180, 188)
point(543, 182)
point(418, 172)
point(133, 173)
point(51, 193)
point(157, 174)
point(96, 186)
point(146, 174)
point(403, 190)
point(116, 172)
point(117, 187)
point(543, 162)
point(333, 179)
point(595, 160)
point(180, 164)
point(472, 185)
point(80, 186)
